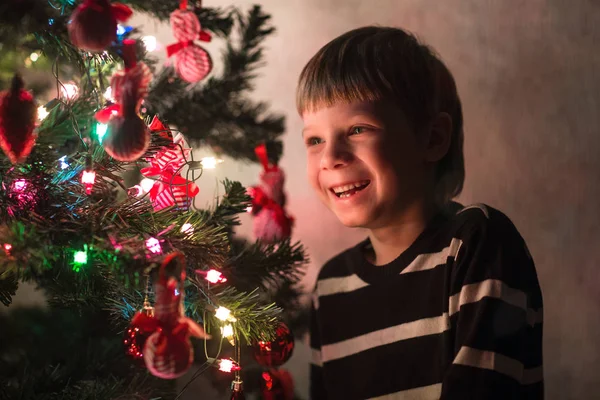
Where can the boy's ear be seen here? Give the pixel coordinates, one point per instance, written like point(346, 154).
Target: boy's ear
point(438, 137)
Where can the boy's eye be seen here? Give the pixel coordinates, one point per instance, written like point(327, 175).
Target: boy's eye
point(357, 130)
point(313, 141)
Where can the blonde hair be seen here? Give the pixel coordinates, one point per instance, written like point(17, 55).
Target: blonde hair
point(389, 64)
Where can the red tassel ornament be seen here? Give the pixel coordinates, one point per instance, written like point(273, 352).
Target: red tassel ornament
point(18, 114)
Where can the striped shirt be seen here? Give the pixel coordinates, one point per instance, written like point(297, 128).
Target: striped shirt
point(458, 315)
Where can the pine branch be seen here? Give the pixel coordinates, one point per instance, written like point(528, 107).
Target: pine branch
point(8, 288)
point(267, 265)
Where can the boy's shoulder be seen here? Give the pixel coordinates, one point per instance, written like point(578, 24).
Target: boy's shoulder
point(481, 220)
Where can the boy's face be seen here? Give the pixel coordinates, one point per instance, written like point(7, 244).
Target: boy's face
point(365, 162)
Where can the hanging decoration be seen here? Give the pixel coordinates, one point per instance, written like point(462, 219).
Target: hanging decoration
point(271, 222)
point(93, 24)
point(138, 332)
point(18, 115)
point(168, 352)
point(170, 189)
point(277, 384)
point(192, 62)
point(276, 352)
point(127, 137)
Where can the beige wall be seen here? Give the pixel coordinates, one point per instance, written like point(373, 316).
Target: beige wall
point(529, 75)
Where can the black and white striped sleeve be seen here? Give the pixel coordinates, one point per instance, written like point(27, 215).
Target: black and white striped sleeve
point(317, 387)
point(495, 310)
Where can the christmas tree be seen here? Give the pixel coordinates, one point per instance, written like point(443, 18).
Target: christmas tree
point(132, 272)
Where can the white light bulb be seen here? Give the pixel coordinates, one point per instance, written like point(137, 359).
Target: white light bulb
point(42, 113)
point(34, 56)
point(187, 228)
point(147, 184)
point(210, 162)
point(69, 90)
point(227, 331)
point(150, 43)
point(224, 314)
point(108, 94)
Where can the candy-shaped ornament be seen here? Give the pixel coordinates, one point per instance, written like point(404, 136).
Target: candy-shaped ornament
point(93, 24)
point(191, 62)
point(18, 114)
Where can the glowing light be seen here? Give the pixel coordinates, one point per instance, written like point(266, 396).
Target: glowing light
point(108, 94)
point(214, 276)
point(147, 184)
point(150, 43)
point(227, 331)
point(19, 185)
point(34, 56)
point(249, 209)
point(80, 257)
point(7, 248)
point(121, 30)
point(187, 228)
point(101, 131)
point(210, 162)
point(154, 245)
point(228, 366)
point(63, 162)
point(88, 178)
point(42, 113)
point(69, 90)
point(224, 314)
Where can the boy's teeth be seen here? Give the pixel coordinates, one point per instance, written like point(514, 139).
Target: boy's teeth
point(339, 190)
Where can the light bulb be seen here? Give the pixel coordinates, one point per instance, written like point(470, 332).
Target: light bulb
point(42, 113)
point(69, 90)
point(150, 43)
point(227, 331)
point(146, 184)
point(210, 162)
point(108, 94)
point(224, 314)
point(187, 228)
point(101, 131)
point(154, 245)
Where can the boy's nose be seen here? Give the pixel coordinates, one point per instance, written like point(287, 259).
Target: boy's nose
point(336, 155)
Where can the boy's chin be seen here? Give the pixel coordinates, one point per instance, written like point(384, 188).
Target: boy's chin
point(353, 220)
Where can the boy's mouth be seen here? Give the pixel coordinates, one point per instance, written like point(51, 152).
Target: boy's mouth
point(349, 189)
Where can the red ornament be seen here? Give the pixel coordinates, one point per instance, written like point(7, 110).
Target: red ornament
point(138, 332)
point(127, 137)
point(18, 114)
point(271, 222)
point(168, 352)
point(93, 24)
point(192, 62)
point(277, 385)
point(277, 351)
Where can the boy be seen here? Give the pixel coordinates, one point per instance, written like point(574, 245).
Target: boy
point(441, 301)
